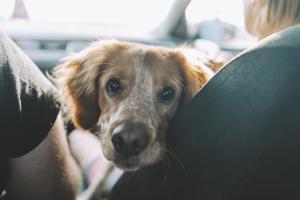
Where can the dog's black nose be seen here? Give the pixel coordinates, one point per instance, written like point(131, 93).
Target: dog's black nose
point(129, 140)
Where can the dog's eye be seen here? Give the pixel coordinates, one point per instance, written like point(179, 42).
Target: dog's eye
point(167, 94)
point(113, 86)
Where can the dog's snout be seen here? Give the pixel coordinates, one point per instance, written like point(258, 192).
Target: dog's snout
point(129, 140)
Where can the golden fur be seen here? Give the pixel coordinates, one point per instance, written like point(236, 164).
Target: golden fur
point(143, 71)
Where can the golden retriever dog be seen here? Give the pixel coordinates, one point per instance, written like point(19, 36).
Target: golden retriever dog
point(126, 93)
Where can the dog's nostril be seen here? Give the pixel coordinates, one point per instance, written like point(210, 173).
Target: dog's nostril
point(129, 140)
point(117, 141)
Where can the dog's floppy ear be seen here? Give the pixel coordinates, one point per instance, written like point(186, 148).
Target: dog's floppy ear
point(78, 80)
point(196, 77)
point(194, 70)
point(78, 87)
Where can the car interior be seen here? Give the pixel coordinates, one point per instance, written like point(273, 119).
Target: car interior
point(264, 104)
point(255, 92)
point(48, 40)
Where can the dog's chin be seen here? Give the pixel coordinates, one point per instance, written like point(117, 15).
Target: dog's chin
point(127, 165)
point(132, 163)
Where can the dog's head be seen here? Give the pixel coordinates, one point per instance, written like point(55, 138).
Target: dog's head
point(126, 93)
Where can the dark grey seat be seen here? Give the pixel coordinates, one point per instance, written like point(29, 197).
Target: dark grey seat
point(239, 138)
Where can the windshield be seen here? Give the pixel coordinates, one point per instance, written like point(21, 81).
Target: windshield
point(129, 13)
point(227, 11)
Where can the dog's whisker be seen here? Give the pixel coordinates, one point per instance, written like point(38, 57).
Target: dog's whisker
point(167, 165)
point(164, 159)
point(176, 159)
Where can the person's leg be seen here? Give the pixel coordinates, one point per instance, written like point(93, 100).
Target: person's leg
point(40, 165)
point(47, 172)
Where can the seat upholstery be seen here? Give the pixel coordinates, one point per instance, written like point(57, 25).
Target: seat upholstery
point(239, 138)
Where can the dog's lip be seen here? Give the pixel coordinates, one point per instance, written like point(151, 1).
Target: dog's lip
point(129, 163)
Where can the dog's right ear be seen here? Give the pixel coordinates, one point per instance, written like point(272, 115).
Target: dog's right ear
point(78, 86)
point(194, 71)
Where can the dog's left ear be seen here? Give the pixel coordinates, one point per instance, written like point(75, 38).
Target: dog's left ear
point(195, 72)
point(78, 80)
point(78, 86)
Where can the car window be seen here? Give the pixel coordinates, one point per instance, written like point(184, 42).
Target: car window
point(51, 29)
point(227, 11)
point(6, 8)
point(129, 13)
point(220, 21)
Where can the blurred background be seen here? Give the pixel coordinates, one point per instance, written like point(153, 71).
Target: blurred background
point(48, 30)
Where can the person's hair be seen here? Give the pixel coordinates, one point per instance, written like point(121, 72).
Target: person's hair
point(269, 16)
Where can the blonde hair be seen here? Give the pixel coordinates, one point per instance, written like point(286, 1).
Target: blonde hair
point(268, 16)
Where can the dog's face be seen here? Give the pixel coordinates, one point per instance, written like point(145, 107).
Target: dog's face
point(126, 94)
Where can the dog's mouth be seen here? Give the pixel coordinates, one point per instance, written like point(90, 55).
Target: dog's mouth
point(149, 156)
point(127, 164)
